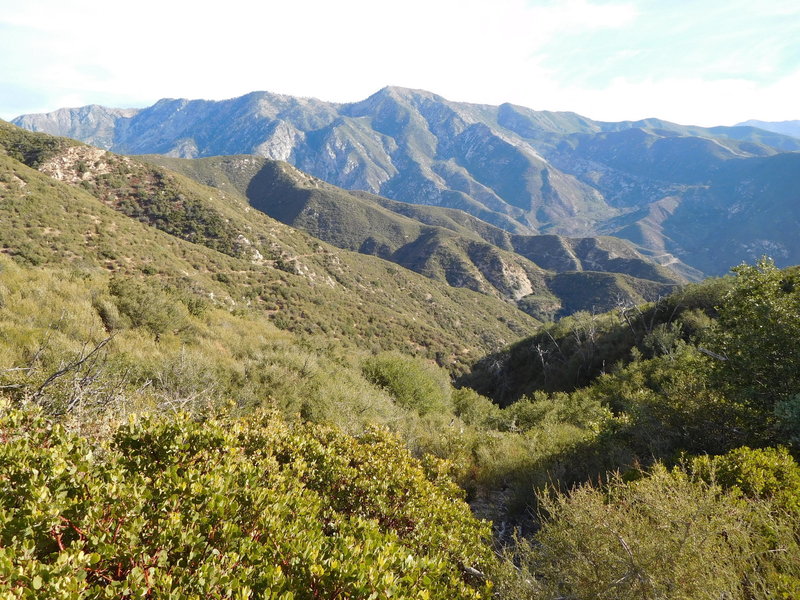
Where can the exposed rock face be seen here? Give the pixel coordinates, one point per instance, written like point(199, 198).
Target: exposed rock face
point(280, 142)
point(444, 244)
point(78, 163)
point(93, 124)
point(679, 192)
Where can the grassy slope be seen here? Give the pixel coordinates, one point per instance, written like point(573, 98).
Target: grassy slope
point(257, 263)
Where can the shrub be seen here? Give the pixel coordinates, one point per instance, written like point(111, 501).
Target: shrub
point(758, 334)
point(475, 409)
point(148, 305)
point(767, 473)
point(183, 509)
point(410, 381)
point(665, 535)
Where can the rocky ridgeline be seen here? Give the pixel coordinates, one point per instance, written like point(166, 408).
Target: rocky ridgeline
point(522, 170)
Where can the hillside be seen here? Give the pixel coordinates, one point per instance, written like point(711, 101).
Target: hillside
point(443, 244)
point(187, 455)
point(88, 209)
point(167, 431)
point(197, 400)
point(522, 170)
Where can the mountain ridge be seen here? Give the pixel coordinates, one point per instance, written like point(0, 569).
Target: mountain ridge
point(790, 127)
point(442, 244)
point(90, 209)
point(516, 168)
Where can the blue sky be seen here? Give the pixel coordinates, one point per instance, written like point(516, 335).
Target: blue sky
point(704, 62)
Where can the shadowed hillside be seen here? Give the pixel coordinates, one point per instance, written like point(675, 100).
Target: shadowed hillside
point(522, 170)
point(84, 207)
point(443, 244)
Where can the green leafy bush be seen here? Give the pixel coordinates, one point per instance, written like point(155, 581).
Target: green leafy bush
point(147, 304)
point(184, 509)
point(665, 535)
point(758, 334)
point(766, 473)
point(411, 382)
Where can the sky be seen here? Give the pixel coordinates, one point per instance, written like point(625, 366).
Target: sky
point(695, 62)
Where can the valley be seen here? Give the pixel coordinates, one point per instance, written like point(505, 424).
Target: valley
point(275, 347)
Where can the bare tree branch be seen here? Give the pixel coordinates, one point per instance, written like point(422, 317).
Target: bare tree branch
point(71, 366)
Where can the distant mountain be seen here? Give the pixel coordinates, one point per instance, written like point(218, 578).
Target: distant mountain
point(684, 195)
point(791, 128)
point(93, 124)
point(444, 244)
point(68, 203)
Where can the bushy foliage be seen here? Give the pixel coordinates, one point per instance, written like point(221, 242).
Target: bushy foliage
point(160, 355)
point(665, 535)
point(758, 335)
point(412, 383)
point(667, 405)
point(28, 147)
point(762, 473)
point(146, 304)
point(157, 355)
point(474, 409)
point(572, 352)
point(151, 195)
point(182, 509)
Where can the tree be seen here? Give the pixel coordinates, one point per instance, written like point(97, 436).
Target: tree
point(758, 335)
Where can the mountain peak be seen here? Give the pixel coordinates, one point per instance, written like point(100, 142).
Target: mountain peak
point(550, 172)
point(396, 92)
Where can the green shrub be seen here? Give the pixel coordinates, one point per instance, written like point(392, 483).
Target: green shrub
point(758, 334)
point(667, 405)
point(787, 420)
point(183, 509)
point(475, 409)
point(665, 535)
point(411, 382)
point(538, 410)
point(147, 304)
point(108, 312)
point(767, 473)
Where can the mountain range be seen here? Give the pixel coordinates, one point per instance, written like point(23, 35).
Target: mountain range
point(545, 275)
point(791, 128)
point(199, 400)
point(67, 203)
point(71, 206)
point(695, 199)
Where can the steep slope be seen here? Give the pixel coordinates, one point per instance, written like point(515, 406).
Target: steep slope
point(88, 208)
point(521, 170)
point(404, 144)
point(440, 243)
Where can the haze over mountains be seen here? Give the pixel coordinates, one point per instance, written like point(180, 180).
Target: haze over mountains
point(708, 198)
point(784, 127)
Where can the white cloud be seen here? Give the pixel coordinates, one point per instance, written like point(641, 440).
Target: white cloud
point(690, 101)
point(86, 51)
